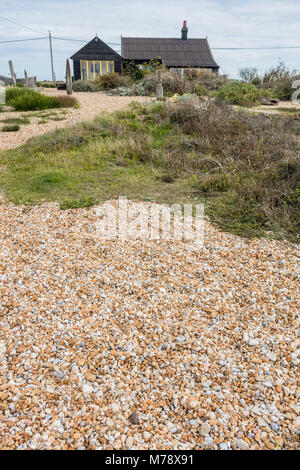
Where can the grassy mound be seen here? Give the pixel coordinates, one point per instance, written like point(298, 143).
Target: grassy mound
point(244, 166)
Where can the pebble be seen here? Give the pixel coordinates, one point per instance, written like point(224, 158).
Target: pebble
point(129, 442)
point(272, 356)
point(242, 445)
point(134, 418)
point(205, 429)
point(131, 344)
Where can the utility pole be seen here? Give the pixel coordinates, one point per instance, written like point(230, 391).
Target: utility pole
point(51, 55)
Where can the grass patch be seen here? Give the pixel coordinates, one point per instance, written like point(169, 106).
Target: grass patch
point(16, 121)
point(244, 166)
point(289, 110)
point(11, 128)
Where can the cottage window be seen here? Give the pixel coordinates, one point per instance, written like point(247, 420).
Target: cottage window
point(97, 69)
point(111, 67)
point(83, 70)
point(91, 69)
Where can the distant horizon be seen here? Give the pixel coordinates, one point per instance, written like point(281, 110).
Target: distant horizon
point(226, 23)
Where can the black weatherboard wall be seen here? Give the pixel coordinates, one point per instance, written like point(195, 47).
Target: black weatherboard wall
point(96, 50)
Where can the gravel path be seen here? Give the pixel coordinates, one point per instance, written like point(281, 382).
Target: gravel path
point(274, 109)
point(137, 345)
point(91, 105)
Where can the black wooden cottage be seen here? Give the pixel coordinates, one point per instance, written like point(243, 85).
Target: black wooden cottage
point(94, 59)
point(176, 54)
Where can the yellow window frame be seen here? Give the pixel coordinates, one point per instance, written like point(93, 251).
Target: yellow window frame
point(104, 67)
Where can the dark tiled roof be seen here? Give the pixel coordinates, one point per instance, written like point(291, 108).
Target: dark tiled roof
point(96, 50)
point(173, 52)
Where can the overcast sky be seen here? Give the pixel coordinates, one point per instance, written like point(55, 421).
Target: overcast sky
point(227, 23)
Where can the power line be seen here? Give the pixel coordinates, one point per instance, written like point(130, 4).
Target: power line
point(84, 41)
point(253, 48)
point(23, 40)
point(18, 24)
point(54, 37)
point(118, 44)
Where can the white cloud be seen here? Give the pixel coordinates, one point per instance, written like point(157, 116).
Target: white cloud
point(227, 23)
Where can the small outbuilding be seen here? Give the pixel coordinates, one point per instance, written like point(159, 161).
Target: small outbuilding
point(95, 59)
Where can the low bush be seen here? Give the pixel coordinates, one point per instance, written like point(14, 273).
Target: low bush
point(283, 90)
point(11, 128)
point(172, 84)
point(136, 89)
point(25, 99)
point(67, 101)
point(84, 86)
point(111, 81)
point(201, 90)
point(211, 81)
point(45, 85)
point(242, 94)
point(132, 71)
point(280, 80)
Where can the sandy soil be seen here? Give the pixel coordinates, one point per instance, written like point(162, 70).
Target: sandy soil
point(274, 109)
point(91, 105)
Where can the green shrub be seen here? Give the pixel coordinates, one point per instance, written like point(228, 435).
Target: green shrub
point(111, 81)
point(283, 89)
point(201, 90)
point(242, 94)
point(133, 71)
point(211, 81)
point(84, 86)
point(14, 128)
point(218, 182)
point(280, 79)
point(45, 85)
point(24, 99)
point(12, 93)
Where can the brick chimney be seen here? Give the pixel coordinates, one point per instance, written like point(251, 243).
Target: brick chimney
point(184, 31)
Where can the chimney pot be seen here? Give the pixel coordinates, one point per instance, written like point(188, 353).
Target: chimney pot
point(184, 31)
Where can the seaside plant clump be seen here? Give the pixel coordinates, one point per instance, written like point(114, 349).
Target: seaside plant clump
point(25, 99)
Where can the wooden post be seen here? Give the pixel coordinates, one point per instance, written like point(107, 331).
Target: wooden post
point(159, 85)
point(68, 78)
point(26, 79)
point(51, 57)
point(12, 72)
